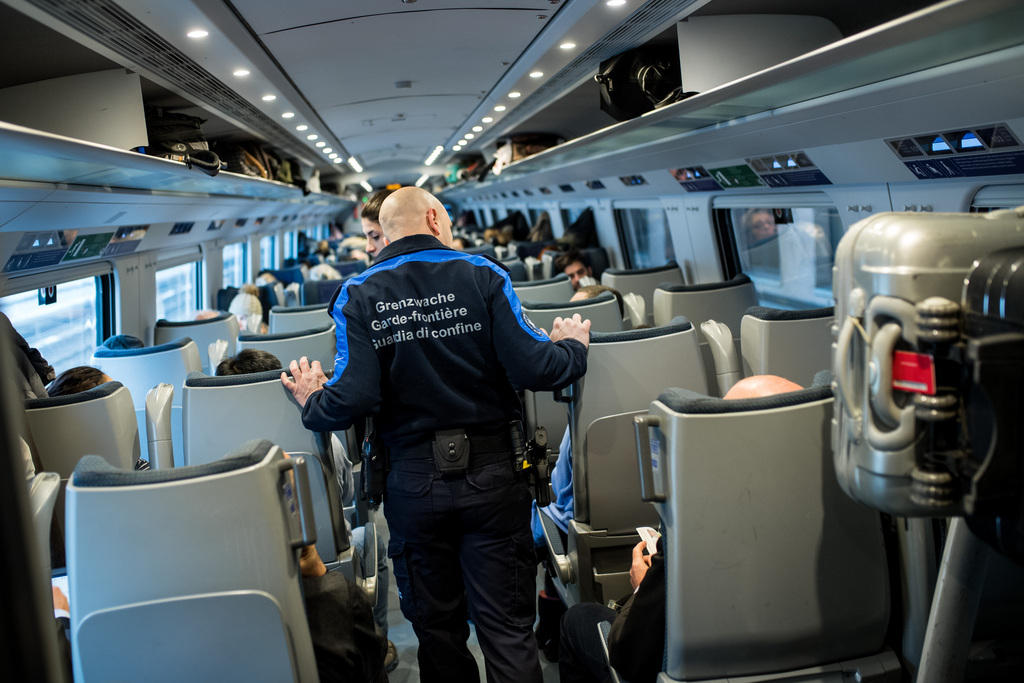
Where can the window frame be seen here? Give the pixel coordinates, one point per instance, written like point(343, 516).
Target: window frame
point(193, 257)
point(639, 205)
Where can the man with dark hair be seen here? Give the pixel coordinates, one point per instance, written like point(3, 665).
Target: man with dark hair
point(76, 380)
point(122, 341)
point(574, 264)
point(370, 218)
point(248, 361)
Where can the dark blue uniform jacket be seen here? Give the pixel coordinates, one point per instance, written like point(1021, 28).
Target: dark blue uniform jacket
point(430, 339)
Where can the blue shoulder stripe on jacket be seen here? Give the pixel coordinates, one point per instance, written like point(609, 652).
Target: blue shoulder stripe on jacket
point(427, 256)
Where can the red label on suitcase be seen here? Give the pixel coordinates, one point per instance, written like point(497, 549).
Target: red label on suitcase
point(913, 372)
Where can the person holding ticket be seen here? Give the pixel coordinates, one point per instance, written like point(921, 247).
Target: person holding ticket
point(636, 641)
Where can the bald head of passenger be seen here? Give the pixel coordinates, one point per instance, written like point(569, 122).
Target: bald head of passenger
point(758, 386)
point(414, 211)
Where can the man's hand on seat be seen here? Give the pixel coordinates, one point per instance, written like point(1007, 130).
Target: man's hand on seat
point(571, 328)
point(307, 379)
point(641, 563)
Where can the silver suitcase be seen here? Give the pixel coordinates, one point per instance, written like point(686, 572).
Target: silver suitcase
point(898, 281)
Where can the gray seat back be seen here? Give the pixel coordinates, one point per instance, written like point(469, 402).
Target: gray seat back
point(624, 370)
point(298, 318)
point(554, 290)
point(752, 511)
point(643, 282)
point(602, 311)
point(319, 291)
point(202, 332)
point(142, 369)
point(222, 412)
point(100, 421)
point(516, 269)
point(190, 574)
point(790, 344)
point(316, 344)
point(721, 301)
point(42, 496)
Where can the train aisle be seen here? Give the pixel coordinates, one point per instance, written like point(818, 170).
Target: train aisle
point(401, 634)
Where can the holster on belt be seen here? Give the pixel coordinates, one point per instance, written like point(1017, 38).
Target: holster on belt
point(375, 466)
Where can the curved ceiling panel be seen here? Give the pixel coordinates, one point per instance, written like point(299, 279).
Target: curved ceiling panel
point(405, 67)
point(266, 16)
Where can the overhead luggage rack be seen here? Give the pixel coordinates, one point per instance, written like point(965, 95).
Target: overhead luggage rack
point(948, 32)
point(36, 156)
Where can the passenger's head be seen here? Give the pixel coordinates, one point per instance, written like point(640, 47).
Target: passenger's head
point(323, 247)
point(248, 361)
point(76, 380)
point(460, 244)
point(370, 218)
point(414, 211)
point(265, 277)
point(591, 291)
point(757, 386)
point(759, 224)
point(573, 264)
point(247, 308)
point(122, 341)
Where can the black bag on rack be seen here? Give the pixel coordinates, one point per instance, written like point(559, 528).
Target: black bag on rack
point(180, 137)
point(637, 81)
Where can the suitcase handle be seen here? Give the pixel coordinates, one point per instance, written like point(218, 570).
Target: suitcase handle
point(843, 369)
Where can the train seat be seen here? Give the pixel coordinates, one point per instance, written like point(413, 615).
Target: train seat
point(297, 318)
point(516, 269)
point(721, 301)
point(202, 332)
point(319, 291)
point(317, 343)
point(287, 276)
point(142, 369)
point(222, 412)
point(482, 249)
point(42, 495)
point(542, 410)
point(790, 344)
point(643, 282)
point(624, 370)
point(553, 290)
point(167, 583)
point(347, 268)
point(752, 513)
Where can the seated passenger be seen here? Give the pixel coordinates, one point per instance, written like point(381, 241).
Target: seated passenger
point(119, 342)
point(83, 378)
point(76, 380)
point(323, 271)
point(254, 360)
point(637, 639)
point(591, 291)
point(247, 308)
point(574, 264)
point(323, 252)
point(460, 244)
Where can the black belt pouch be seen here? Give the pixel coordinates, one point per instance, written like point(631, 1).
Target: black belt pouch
point(451, 452)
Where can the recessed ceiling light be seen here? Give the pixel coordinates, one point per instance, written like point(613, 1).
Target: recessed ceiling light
point(301, 127)
point(288, 115)
point(337, 160)
point(462, 142)
point(615, 3)
point(500, 107)
point(354, 163)
point(487, 119)
point(366, 186)
point(536, 74)
point(514, 94)
point(327, 150)
point(456, 148)
point(478, 128)
point(422, 179)
point(312, 136)
point(269, 98)
point(469, 136)
point(198, 33)
point(240, 73)
point(567, 45)
point(321, 143)
point(332, 155)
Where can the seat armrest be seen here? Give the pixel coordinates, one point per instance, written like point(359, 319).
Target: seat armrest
point(368, 578)
point(556, 549)
point(604, 629)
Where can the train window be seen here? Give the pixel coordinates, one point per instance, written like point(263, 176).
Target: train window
point(177, 292)
point(787, 251)
point(644, 236)
point(235, 262)
point(268, 251)
point(66, 331)
point(571, 213)
point(534, 214)
point(291, 244)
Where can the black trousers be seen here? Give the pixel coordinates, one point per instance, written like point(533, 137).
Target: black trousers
point(580, 654)
point(465, 536)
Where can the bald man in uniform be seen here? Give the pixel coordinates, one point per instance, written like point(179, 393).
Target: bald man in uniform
point(433, 343)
